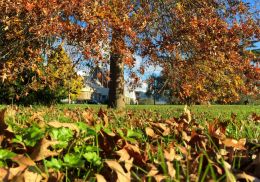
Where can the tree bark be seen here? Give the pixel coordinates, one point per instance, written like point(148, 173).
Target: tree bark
point(116, 98)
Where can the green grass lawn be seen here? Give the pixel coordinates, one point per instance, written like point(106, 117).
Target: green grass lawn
point(201, 112)
point(88, 137)
point(210, 112)
point(238, 127)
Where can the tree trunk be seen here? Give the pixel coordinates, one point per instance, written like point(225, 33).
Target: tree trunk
point(116, 98)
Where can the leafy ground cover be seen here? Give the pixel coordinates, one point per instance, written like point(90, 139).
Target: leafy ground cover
point(78, 143)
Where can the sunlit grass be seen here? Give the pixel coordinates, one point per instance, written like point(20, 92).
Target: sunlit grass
point(130, 125)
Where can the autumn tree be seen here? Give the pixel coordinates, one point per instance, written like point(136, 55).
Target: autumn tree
point(61, 76)
point(116, 25)
point(202, 49)
point(54, 78)
point(200, 44)
point(98, 27)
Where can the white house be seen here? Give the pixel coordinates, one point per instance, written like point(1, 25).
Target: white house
point(93, 90)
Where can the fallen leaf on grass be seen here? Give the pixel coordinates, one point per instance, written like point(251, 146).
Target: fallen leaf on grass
point(164, 127)
point(100, 178)
point(41, 151)
point(11, 173)
point(3, 125)
point(239, 145)
point(255, 117)
point(55, 176)
point(149, 131)
point(122, 176)
point(37, 117)
point(153, 171)
point(105, 119)
point(134, 148)
point(103, 115)
point(185, 136)
point(29, 176)
point(170, 156)
point(172, 122)
point(183, 150)
point(56, 124)
point(124, 156)
point(135, 153)
point(159, 178)
point(5, 132)
point(187, 114)
point(88, 117)
point(171, 170)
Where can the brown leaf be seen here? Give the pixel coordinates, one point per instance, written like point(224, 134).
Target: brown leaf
point(105, 119)
point(134, 148)
point(88, 117)
point(187, 114)
point(30, 176)
point(239, 145)
point(153, 171)
point(159, 177)
point(37, 117)
point(55, 176)
point(103, 115)
point(149, 131)
point(182, 149)
point(171, 170)
point(3, 174)
point(255, 117)
point(29, 6)
point(135, 153)
point(11, 173)
point(122, 176)
point(165, 128)
point(23, 161)
point(56, 124)
point(125, 157)
point(170, 156)
point(41, 150)
point(100, 178)
point(185, 136)
point(3, 125)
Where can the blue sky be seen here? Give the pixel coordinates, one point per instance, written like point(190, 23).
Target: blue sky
point(156, 70)
point(255, 5)
point(253, 2)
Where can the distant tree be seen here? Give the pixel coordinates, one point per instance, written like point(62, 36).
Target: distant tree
point(61, 74)
point(157, 87)
point(53, 79)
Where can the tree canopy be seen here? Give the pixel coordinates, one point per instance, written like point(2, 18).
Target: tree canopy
point(202, 49)
point(201, 45)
